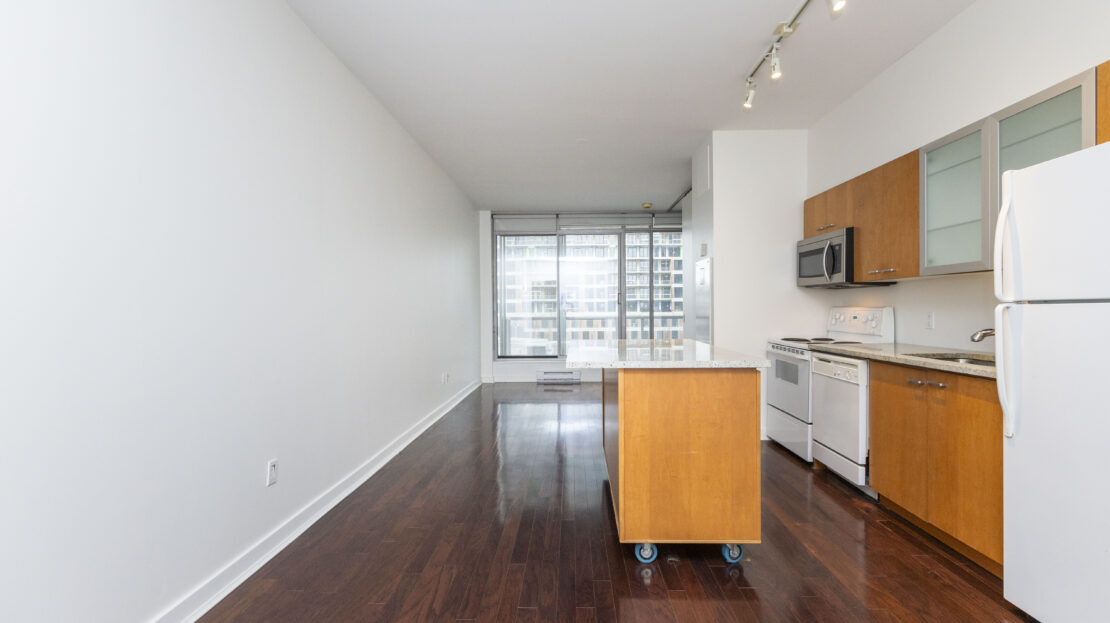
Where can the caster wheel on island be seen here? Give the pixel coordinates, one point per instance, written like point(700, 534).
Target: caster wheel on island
point(646, 552)
point(732, 553)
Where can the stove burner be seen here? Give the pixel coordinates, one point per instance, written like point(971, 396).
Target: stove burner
point(846, 342)
point(795, 339)
point(823, 339)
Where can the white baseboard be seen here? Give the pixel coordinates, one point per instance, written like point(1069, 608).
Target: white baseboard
point(209, 592)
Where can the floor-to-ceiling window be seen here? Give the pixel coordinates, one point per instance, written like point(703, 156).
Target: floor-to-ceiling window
point(637, 285)
point(615, 277)
point(527, 296)
point(589, 265)
point(667, 285)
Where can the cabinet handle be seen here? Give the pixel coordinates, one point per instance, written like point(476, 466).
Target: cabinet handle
point(830, 225)
point(822, 228)
point(882, 270)
point(874, 272)
point(889, 270)
point(940, 385)
point(915, 381)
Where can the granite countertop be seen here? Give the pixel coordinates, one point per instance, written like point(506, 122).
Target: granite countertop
point(656, 354)
point(904, 354)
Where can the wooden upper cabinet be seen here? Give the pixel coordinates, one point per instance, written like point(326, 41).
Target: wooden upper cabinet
point(1102, 103)
point(899, 435)
point(867, 200)
point(838, 207)
point(815, 215)
point(887, 220)
point(965, 460)
point(828, 211)
point(882, 206)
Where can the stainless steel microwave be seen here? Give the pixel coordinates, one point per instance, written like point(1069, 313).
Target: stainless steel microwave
point(826, 261)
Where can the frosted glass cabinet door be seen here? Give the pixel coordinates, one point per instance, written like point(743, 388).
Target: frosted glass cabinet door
point(955, 200)
point(1042, 132)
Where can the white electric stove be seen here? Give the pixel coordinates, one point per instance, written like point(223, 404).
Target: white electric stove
point(841, 409)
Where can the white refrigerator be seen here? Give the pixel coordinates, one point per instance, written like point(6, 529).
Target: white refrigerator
point(1052, 277)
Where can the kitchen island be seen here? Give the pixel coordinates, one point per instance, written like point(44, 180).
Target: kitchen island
point(681, 431)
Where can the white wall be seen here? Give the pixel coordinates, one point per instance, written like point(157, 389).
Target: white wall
point(758, 188)
point(690, 256)
point(217, 248)
point(994, 54)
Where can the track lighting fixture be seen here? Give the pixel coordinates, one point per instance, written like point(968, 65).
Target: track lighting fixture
point(749, 97)
point(771, 54)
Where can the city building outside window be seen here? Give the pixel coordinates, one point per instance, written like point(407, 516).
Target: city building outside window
point(555, 288)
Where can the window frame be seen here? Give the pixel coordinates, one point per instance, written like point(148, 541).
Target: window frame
point(619, 231)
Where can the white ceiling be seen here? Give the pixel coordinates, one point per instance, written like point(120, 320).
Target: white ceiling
point(598, 104)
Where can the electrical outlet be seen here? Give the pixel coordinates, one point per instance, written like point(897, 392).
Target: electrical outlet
point(930, 320)
point(446, 377)
point(271, 473)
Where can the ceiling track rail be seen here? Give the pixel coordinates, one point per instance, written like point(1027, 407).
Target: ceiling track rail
point(791, 24)
point(680, 198)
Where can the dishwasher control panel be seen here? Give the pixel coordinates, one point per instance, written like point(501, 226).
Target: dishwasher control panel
point(839, 368)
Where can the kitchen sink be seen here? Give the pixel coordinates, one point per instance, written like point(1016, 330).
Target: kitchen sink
point(956, 358)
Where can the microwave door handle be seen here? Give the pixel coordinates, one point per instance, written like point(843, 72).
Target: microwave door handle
point(825, 261)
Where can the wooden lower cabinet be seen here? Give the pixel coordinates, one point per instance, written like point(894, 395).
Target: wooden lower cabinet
point(899, 435)
point(936, 452)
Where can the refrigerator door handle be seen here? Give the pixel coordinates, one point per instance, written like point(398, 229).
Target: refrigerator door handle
point(1000, 232)
point(1008, 407)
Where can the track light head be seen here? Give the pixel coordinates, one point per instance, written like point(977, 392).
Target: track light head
point(836, 6)
point(776, 65)
point(749, 96)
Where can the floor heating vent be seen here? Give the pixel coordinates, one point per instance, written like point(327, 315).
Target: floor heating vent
point(558, 377)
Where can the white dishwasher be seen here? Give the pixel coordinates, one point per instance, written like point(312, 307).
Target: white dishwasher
point(840, 434)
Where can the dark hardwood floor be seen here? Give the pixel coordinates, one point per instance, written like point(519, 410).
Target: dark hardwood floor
point(500, 512)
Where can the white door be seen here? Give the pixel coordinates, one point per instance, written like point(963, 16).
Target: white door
point(1056, 497)
point(1052, 230)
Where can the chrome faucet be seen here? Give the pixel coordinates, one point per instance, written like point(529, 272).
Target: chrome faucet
point(981, 335)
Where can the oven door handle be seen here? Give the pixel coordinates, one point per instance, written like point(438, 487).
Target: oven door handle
point(825, 261)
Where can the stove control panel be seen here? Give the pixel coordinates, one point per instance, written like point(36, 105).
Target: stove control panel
point(800, 353)
point(872, 321)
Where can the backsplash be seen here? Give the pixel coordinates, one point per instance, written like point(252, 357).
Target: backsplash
point(962, 304)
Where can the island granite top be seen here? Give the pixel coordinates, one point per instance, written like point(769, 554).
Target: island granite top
point(656, 354)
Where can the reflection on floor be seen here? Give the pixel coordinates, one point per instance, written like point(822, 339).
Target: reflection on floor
point(500, 512)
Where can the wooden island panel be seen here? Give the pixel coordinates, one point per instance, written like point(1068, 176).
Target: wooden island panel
point(689, 455)
point(610, 426)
